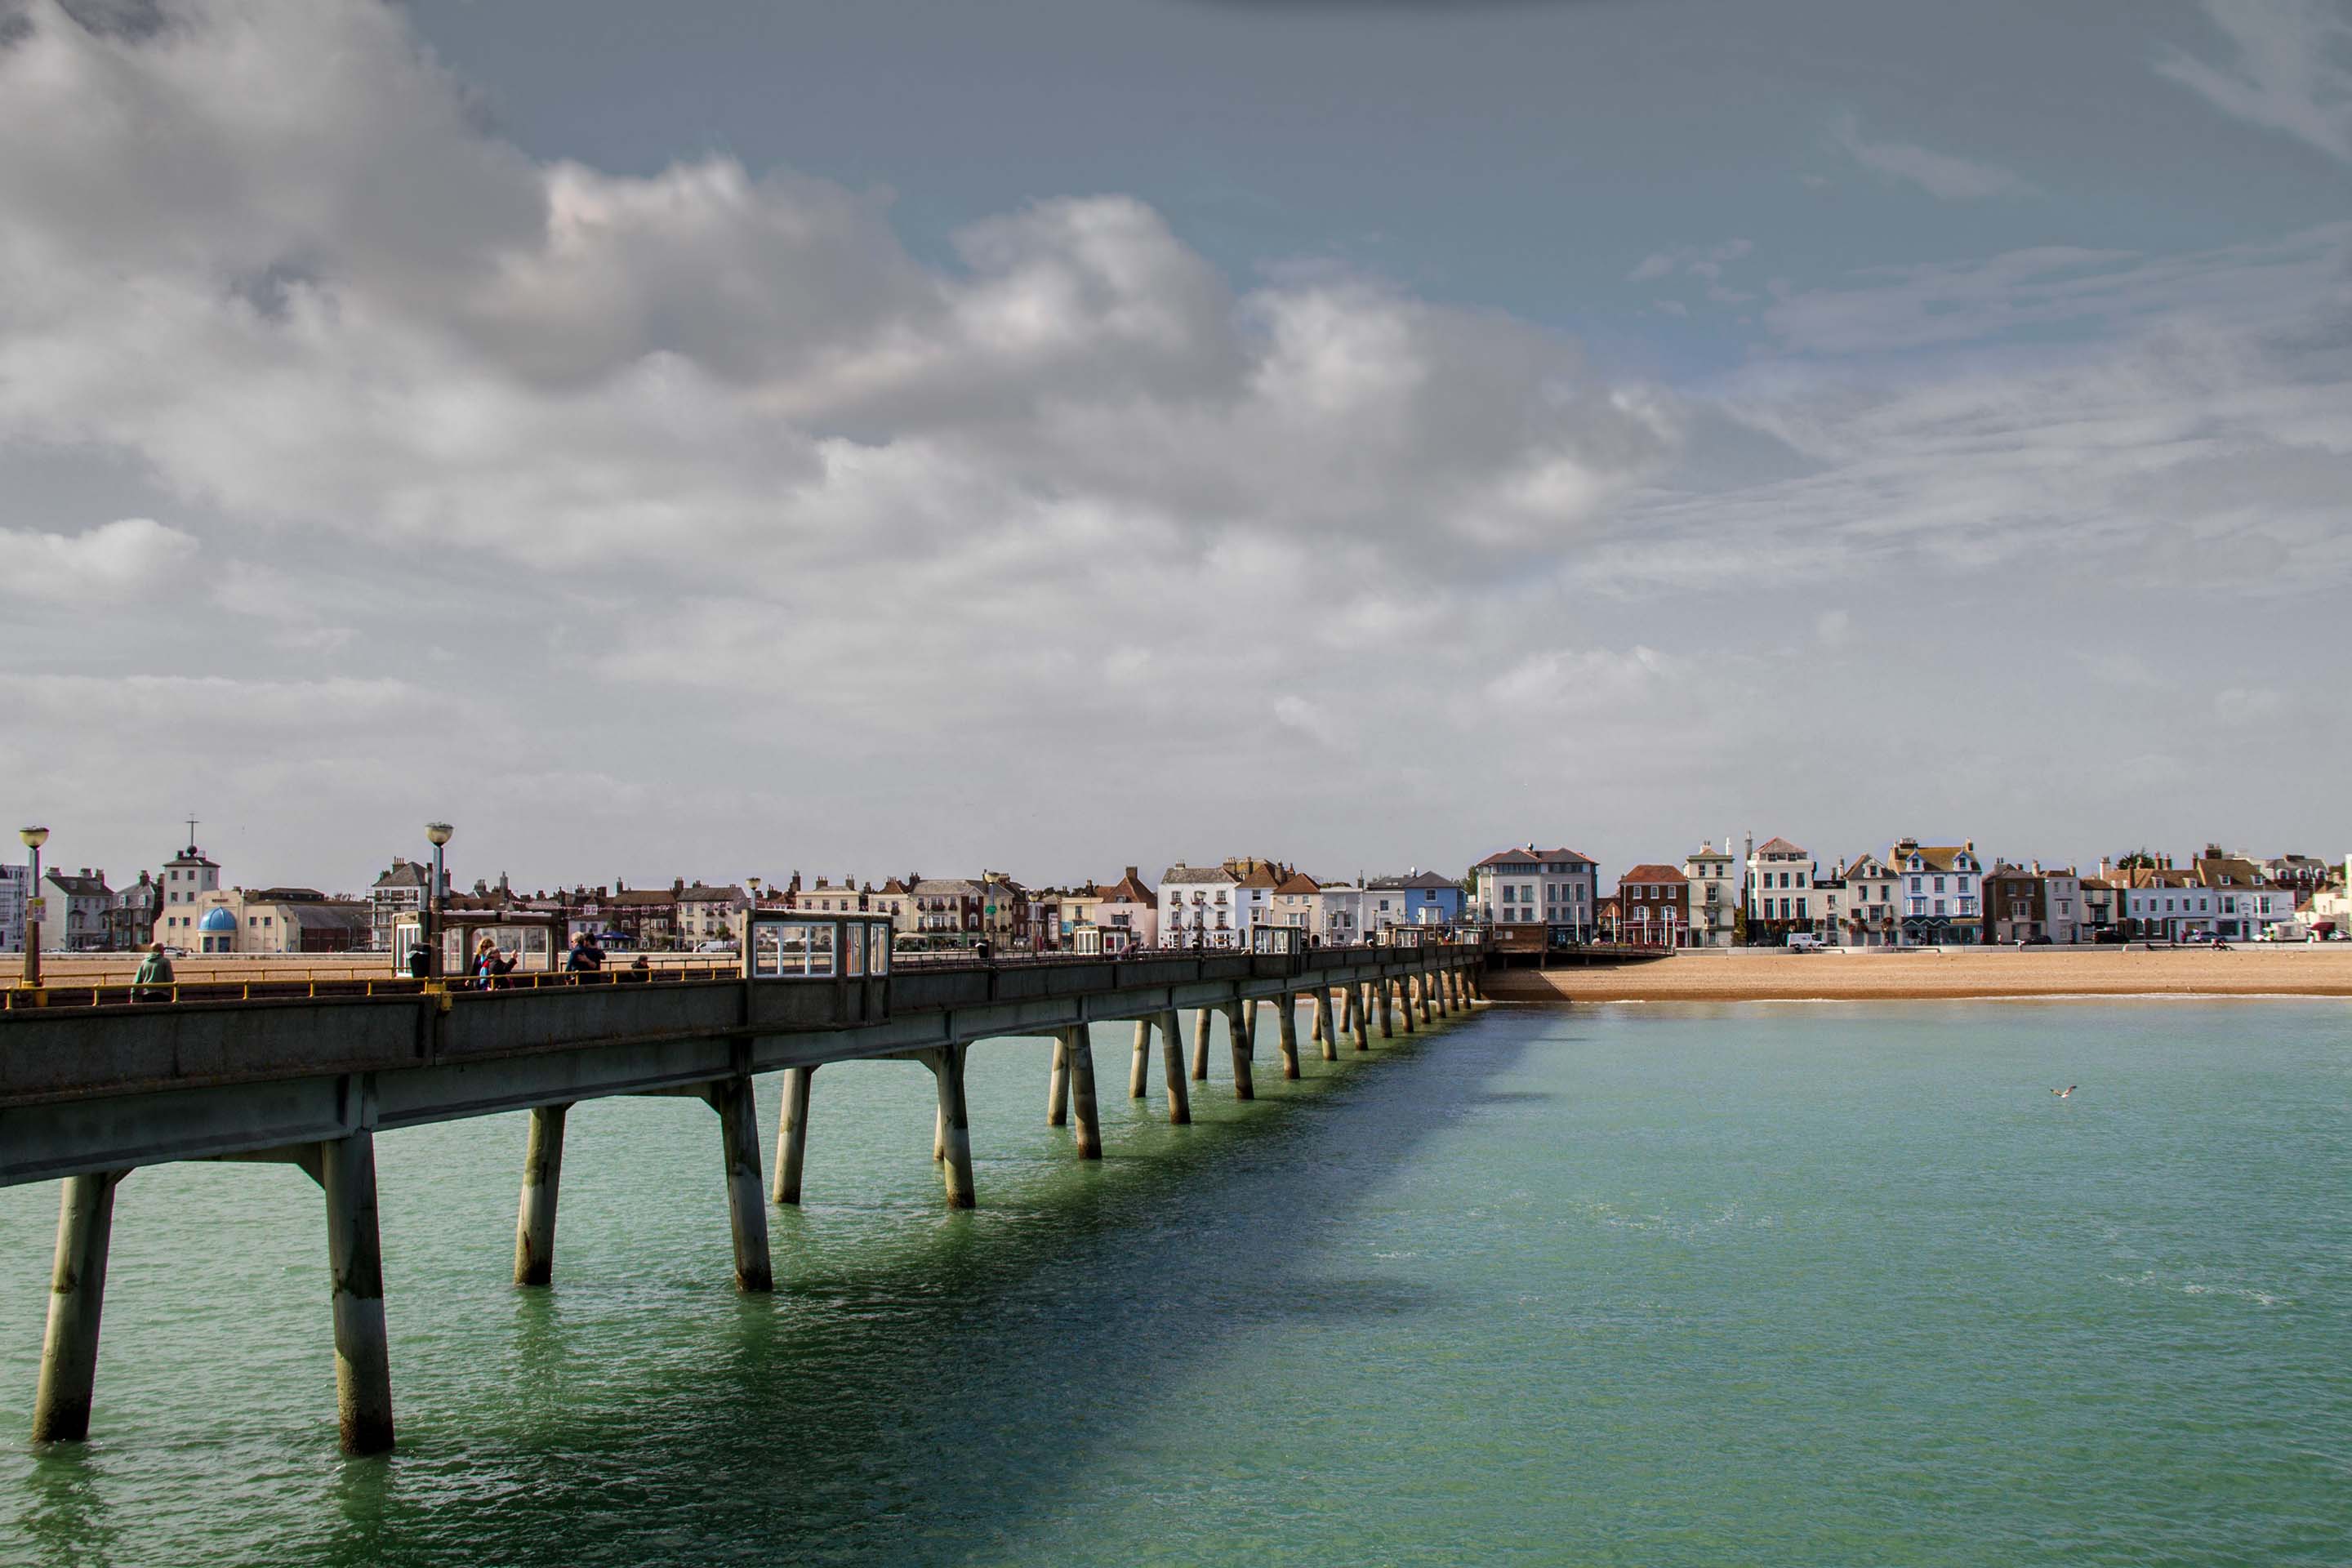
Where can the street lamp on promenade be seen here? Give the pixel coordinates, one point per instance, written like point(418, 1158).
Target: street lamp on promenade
point(438, 832)
point(33, 839)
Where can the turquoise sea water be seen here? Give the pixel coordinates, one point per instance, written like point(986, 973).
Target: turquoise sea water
point(1756, 1284)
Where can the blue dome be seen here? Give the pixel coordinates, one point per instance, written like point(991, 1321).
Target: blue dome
point(217, 921)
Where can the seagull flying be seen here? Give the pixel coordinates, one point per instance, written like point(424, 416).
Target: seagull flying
point(2063, 1093)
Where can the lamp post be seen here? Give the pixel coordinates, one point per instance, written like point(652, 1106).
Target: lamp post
point(33, 839)
point(438, 832)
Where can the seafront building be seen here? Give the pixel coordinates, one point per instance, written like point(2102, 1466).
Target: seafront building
point(1538, 900)
point(1781, 899)
point(1418, 898)
point(1717, 911)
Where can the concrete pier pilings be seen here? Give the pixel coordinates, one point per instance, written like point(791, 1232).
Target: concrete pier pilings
point(1078, 1052)
point(791, 1134)
point(77, 1296)
point(1237, 1029)
point(356, 1263)
point(1364, 995)
point(954, 1124)
point(1139, 1076)
point(1388, 1016)
point(1171, 1058)
point(1200, 1045)
point(1057, 1087)
point(542, 1180)
point(1286, 1032)
point(1404, 1001)
point(747, 1203)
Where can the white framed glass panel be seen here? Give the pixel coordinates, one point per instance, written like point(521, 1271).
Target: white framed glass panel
point(767, 948)
point(878, 949)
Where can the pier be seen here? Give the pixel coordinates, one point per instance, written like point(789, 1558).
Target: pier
point(97, 1082)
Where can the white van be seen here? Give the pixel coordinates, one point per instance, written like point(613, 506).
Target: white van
point(1803, 941)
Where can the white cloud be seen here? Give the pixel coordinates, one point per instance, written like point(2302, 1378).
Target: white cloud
point(107, 565)
point(1695, 260)
point(2248, 705)
point(1940, 174)
point(2292, 72)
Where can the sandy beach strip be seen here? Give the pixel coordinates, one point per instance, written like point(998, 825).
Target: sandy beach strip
point(1765, 974)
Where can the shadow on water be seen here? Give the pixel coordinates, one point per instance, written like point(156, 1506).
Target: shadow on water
point(931, 1407)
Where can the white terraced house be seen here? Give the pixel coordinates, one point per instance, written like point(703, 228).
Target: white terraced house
point(1198, 907)
point(1715, 881)
point(1868, 919)
point(1939, 890)
point(1780, 898)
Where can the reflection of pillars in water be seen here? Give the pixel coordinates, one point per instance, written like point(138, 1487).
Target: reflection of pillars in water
point(747, 1205)
point(1237, 1029)
point(1057, 1087)
point(1139, 1076)
point(1171, 1062)
point(542, 1179)
point(1286, 1032)
point(77, 1296)
point(1201, 1044)
point(355, 1261)
point(791, 1133)
point(954, 1123)
point(1078, 1051)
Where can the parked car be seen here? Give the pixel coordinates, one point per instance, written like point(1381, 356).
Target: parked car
point(2033, 942)
point(721, 946)
point(1804, 942)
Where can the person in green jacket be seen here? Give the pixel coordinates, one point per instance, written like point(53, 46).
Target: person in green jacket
point(155, 970)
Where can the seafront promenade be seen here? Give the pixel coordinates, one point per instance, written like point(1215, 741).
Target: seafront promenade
point(1770, 974)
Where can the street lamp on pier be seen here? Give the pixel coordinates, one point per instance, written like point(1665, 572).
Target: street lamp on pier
point(438, 832)
point(33, 839)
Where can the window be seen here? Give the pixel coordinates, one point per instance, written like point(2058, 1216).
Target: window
point(1801, 910)
point(1940, 906)
point(1939, 884)
point(1915, 881)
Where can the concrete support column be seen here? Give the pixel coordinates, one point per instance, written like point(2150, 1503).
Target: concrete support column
point(1237, 1025)
point(542, 1179)
point(1139, 1076)
point(77, 1294)
point(1057, 1087)
point(1428, 1001)
point(954, 1123)
point(939, 1135)
point(1388, 1013)
point(1079, 1051)
point(1323, 1030)
point(1171, 1060)
point(747, 1205)
point(1314, 1016)
point(1285, 1027)
point(1360, 998)
point(791, 1133)
point(1405, 1000)
point(1201, 1044)
point(355, 1262)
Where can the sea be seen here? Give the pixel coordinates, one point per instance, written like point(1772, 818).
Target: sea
point(1755, 1283)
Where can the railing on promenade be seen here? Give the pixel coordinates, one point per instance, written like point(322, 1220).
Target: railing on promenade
point(341, 981)
point(295, 988)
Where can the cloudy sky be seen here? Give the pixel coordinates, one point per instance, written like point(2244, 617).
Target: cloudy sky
point(725, 438)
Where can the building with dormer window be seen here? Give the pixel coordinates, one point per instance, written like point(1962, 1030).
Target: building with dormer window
point(1538, 900)
point(1780, 897)
point(1939, 893)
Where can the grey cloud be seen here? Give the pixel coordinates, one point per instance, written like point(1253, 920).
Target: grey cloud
point(2292, 69)
point(1940, 174)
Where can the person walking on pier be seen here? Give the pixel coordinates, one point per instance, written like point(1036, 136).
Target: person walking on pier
point(154, 970)
point(490, 962)
point(585, 957)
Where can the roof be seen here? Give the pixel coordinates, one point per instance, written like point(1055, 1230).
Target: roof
point(289, 895)
point(892, 885)
point(2238, 871)
point(1939, 857)
point(1298, 882)
point(1520, 857)
point(1429, 881)
point(402, 874)
point(701, 894)
point(1196, 874)
point(1779, 846)
point(1261, 876)
point(940, 887)
point(1653, 874)
point(217, 918)
point(79, 887)
point(192, 856)
point(1129, 889)
point(642, 897)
